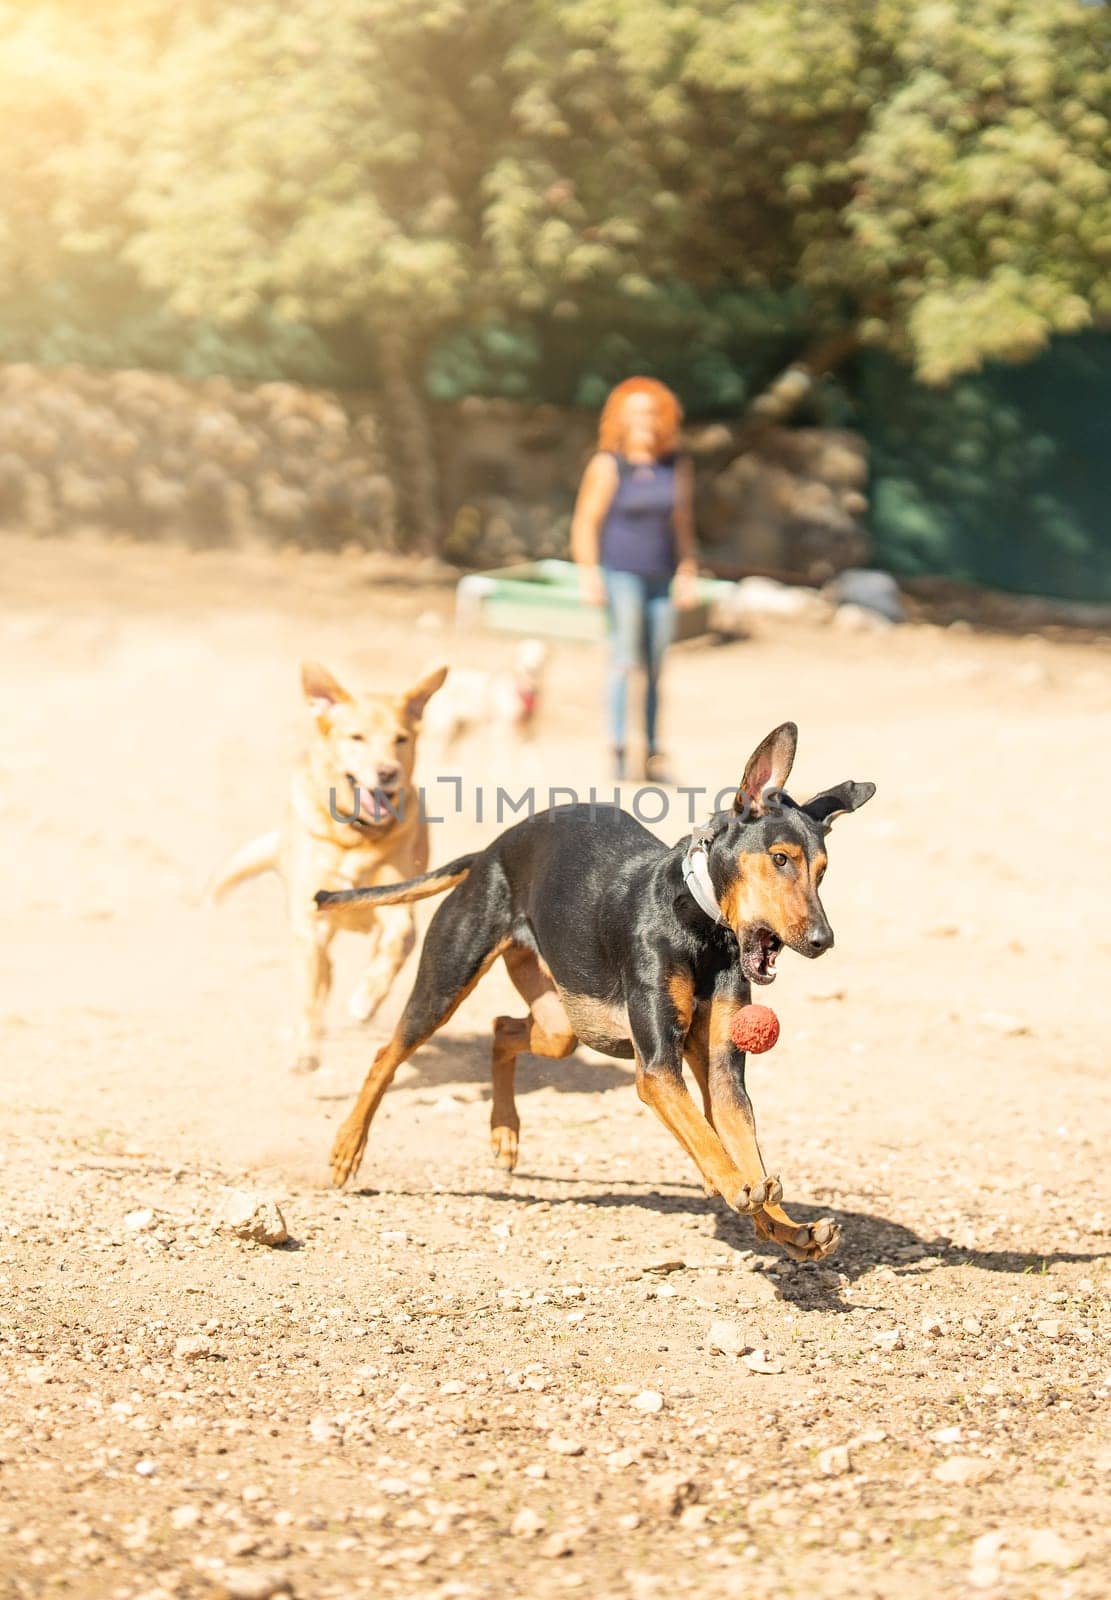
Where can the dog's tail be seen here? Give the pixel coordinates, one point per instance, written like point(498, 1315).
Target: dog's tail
point(399, 894)
point(261, 855)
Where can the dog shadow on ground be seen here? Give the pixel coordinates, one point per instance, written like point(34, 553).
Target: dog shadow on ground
point(448, 1060)
point(868, 1241)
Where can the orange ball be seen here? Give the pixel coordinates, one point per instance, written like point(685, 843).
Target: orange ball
point(755, 1029)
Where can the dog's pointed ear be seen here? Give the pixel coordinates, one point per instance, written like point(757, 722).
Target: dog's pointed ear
point(414, 700)
point(769, 767)
point(832, 803)
point(319, 688)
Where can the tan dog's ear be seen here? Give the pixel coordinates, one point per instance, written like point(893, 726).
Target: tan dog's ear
point(769, 767)
point(414, 700)
point(319, 687)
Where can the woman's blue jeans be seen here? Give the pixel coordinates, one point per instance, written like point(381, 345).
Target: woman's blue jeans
point(639, 614)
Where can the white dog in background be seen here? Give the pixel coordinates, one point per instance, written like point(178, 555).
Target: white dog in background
point(500, 707)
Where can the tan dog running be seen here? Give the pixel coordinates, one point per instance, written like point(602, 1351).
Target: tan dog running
point(354, 821)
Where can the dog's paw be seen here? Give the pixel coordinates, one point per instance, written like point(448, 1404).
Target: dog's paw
point(503, 1142)
point(347, 1152)
point(813, 1241)
point(752, 1197)
point(364, 1001)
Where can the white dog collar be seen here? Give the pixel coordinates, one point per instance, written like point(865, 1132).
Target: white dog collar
point(696, 876)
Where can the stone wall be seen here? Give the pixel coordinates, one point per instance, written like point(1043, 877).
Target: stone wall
point(213, 462)
point(216, 462)
point(509, 474)
point(792, 505)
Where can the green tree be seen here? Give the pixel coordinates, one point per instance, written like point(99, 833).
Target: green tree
point(935, 174)
point(326, 162)
point(929, 176)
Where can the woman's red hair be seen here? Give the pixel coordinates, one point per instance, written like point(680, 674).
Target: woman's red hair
point(669, 414)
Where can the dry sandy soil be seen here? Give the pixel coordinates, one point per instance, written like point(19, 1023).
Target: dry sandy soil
point(453, 1384)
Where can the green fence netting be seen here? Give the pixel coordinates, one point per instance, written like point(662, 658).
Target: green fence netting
point(1004, 479)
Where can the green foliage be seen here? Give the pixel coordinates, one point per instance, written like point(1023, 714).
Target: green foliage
point(1002, 480)
point(938, 166)
point(934, 171)
point(535, 197)
point(714, 349)
point(107, 319)
point(982, 213)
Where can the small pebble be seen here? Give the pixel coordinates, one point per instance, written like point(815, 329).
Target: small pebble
point(835, 1461)
point(762, 1361)
point(1002, 1022)
point(650, 1401)
point(693, 1516)
point(246, 1583)
point(526, 1524)
point(193, 1347)
point(728, 1337)
point(1046, 1548)
point(252, 1216)
point(666, 1493)
point(962, 1470)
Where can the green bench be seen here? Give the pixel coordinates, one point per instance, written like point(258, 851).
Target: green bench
point(542, 598)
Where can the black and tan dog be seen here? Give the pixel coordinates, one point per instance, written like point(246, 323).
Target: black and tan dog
point(637, 950)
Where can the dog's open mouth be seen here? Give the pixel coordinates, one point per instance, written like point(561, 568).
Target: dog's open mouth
point(373, 808)
point(759, 949)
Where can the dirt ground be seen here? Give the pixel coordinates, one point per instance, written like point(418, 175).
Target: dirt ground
point(454, 1384)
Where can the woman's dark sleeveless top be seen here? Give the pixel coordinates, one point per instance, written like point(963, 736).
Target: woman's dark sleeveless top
point(638, 531)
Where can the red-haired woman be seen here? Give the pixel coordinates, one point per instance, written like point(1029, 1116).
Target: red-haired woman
point(633, 534)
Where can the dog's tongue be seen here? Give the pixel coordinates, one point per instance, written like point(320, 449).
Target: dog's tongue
point(372, 804)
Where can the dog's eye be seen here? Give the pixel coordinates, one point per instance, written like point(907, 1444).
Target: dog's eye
point(357, 738)
point(779, 858)
point(401, 738)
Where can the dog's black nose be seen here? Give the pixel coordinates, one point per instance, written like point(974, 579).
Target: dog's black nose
point(388, 772)
point(820, 938)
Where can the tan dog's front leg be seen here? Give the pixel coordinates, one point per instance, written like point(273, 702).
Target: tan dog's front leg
point(314, 970)
point(393, 936)
point(736, 1126)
